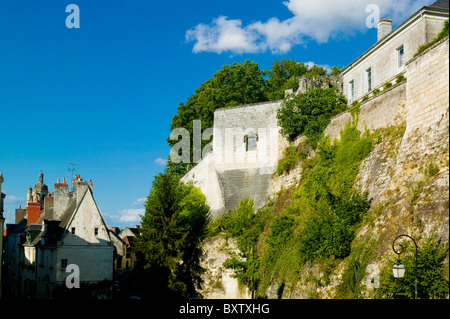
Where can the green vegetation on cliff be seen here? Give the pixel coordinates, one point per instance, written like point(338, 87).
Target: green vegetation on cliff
point(318, 224)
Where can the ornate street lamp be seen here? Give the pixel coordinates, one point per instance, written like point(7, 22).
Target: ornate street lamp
point(399, 269)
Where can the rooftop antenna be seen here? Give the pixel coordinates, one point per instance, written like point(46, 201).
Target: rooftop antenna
point(72, 170)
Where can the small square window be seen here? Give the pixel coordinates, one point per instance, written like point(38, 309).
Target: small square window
point(352, 89)
point(250, 142)
point(73, 230)
point(63, 263)
point(400, 57)
point(369, 79)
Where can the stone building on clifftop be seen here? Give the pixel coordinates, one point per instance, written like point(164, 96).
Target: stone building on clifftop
point(247, 144)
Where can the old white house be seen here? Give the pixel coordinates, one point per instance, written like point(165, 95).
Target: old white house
point(384, 60)
point(56, 231)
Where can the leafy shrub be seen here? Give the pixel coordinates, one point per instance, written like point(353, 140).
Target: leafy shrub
point(387, 85)
point(400, 78)
point(291, 157)
point(309, 112)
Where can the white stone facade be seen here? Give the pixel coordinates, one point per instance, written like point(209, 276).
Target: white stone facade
point(387, 57)
point(246, 148)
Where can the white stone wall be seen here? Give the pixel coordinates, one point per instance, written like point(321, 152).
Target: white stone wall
point(231, 125)
point(427, 90)
point(204, 176)
point(86, 219)
point(386, 109)
point(93, 254)
point(95, 262)
point(231, 172)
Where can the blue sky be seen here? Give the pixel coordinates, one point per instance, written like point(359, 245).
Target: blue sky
point(103, 95)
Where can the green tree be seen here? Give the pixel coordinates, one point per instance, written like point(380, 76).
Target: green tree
point(232, 85)
point(335, 70)
point(173, 227)
point(430, 273)
point(309, 112)
point(283, 75)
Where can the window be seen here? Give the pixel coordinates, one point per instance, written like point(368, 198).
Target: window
point(63, 263)
point(369, 79)
point(250, 142)
point(351, 88)
point(73, 230)
point(400, 58)
point(96, 231)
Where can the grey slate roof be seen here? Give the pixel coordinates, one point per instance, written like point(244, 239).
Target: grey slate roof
point(440, 4)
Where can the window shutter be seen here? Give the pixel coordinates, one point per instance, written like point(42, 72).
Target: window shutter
point(372, 70)
point(363, 82)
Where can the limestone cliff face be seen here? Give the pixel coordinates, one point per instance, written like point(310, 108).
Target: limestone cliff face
point(218, 281)
point(405, 175)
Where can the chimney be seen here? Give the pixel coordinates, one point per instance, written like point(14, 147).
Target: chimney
point(384, 27)
point(63, 184)
point(48, 206)
point(20, 214)
point(34, 212)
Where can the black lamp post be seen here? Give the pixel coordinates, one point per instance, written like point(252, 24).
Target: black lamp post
point(399, 268)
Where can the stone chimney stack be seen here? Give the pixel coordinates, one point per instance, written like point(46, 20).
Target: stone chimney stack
point(79, 187)
point(34, 212)
point(61, 198)
point(384, 27)
point(20, 214)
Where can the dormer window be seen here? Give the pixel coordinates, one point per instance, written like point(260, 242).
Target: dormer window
point(250, 142)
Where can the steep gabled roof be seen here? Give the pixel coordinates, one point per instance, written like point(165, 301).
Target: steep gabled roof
point(56, 229)
point(440, 4)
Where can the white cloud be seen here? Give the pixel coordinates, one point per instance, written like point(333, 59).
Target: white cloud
point(222, 35)
point(310, 64)
point(139, 202)
point(160, 161)
point(13, 200)
point(131, 215)
point(311, 20)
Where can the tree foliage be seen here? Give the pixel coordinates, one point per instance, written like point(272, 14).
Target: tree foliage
point(173, 227)
point(233, 85)
point(310, 112)
point(429, 272)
